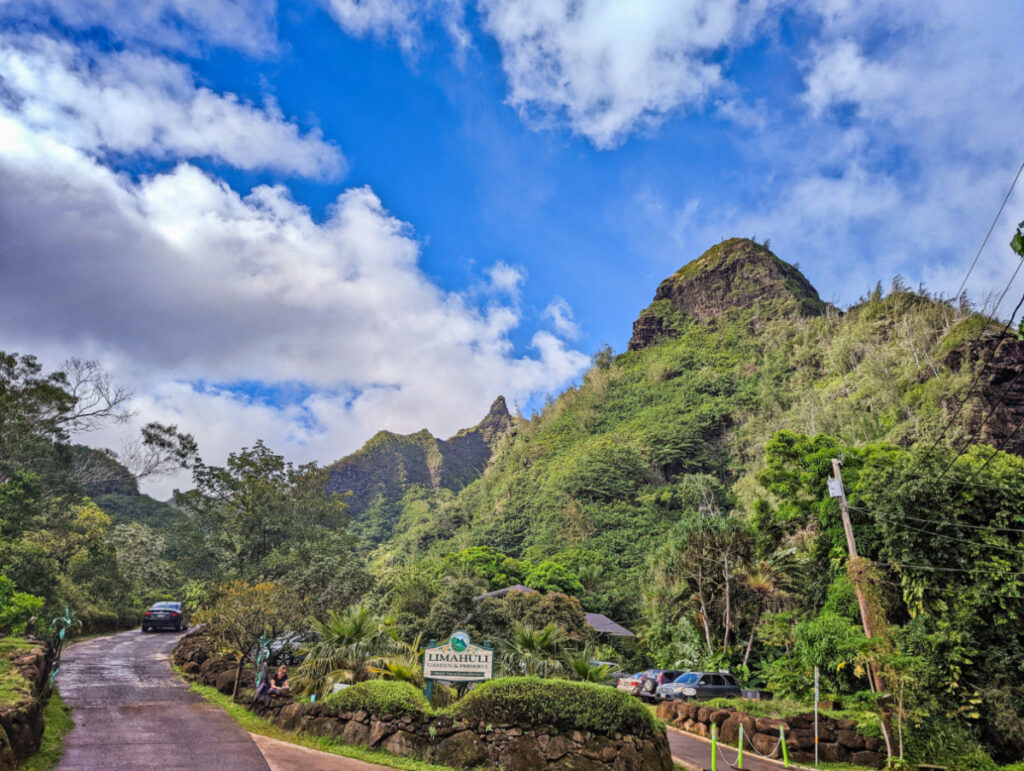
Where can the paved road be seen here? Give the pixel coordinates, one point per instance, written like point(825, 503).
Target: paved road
point(696, 753)
point(130, 711)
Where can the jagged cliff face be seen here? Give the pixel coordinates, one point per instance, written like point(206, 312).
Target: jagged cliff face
point(735, 274)
point(1000, 390)
point(389, 464)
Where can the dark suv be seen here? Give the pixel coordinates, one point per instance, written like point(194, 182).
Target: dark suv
point(651, 680)
point(699, 685)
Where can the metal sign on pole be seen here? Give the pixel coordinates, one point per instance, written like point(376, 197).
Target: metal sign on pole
point(816, 698)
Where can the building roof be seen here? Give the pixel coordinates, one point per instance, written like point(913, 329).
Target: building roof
point(604, 625)
point(502, 592)
point(596, 621)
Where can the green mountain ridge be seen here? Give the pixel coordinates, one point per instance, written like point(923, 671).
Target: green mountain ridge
point(603, 470)
point(389, 465)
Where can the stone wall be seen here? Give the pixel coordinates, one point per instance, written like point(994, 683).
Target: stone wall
point(839, 741)
point(436, 738)
point(21, 719)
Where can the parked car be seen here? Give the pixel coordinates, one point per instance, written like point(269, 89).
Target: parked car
point(699, 685)
point(288, 648)
point(630, 683)
point(652, 679)
point(164, 615)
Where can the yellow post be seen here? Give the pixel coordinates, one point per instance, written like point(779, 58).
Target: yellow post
point(739, 759)
point(785, 751)
point(714, 747)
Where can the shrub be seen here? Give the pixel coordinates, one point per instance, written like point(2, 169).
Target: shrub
point(533, 702)
point(380, 697)
point(945, 743)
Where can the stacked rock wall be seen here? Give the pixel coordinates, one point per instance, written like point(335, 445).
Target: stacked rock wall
point(839, 741)
point(21, 720)
point(435, 738)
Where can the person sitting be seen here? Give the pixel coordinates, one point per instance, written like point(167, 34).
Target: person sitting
point(279, 682)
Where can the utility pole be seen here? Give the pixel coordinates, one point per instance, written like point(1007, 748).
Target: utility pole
point(836, 490)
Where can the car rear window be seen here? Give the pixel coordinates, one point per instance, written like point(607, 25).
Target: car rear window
point(731, 680)
point(166, 606)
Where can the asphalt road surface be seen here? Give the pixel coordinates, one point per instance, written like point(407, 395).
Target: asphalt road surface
point(130, 711)
point(696, 754)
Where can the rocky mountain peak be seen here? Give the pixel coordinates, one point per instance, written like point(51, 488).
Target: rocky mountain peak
point(737, 273)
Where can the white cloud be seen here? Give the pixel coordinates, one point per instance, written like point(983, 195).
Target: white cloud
point(505, 278)
point(559, 312)
point(248, 25)
point(401, 20)
point(610, 68)
point(136, 103)
point(894, 158)
point(176, 278)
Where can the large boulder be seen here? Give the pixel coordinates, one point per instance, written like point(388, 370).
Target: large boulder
point(523, 753)
point(461, 750)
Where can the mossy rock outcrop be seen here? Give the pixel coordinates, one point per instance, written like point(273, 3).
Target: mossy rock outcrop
point(735, 274)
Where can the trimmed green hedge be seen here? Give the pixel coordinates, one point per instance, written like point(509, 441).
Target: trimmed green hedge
point(381, 697)
point(533, 702)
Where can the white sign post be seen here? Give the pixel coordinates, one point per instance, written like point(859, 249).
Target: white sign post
point(815, 717)
point(457, 660)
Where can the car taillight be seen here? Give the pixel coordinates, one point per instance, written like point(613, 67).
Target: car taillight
point(148, 613)
point(174, 613)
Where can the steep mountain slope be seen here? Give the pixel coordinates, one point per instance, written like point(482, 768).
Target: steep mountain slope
point(386, 467)
point(744, 348)
point(734, 275)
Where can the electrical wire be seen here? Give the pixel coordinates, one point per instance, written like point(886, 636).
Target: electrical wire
point(977, 377)
point(903, 565)
point(995, 452)
point(952, 524)
point(1012, 550)
point(990, 229)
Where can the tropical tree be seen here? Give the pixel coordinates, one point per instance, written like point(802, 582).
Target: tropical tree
point(533, 651)
point(351, 646)
point(581, 664)
point(244, 613)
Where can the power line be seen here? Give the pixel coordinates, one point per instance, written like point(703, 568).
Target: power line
point(977, 431)
point(990, 229)
point(977, 377)
point(1012, 550)
point(903, 565)
point(951, 524)
point(995, 452)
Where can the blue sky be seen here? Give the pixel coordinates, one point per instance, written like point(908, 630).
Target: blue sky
point(305, 221)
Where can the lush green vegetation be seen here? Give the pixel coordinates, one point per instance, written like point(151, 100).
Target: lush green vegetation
point(381, 697)
point(57, 723)
point(534, 702)
point(679, 488)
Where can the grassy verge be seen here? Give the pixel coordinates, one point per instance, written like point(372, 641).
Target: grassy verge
point(58, 722)
point(257, 725)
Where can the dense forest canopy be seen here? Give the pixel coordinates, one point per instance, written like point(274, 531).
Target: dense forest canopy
point(680, 489)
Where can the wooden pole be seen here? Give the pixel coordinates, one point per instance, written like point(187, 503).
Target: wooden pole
point(862, 602)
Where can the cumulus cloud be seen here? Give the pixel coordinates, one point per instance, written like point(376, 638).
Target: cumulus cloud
point(134, 103)
point(893, 159)
point(177, 279)
point(401, 20)
point(560, 314)
point(248, 25)
point(606, 69)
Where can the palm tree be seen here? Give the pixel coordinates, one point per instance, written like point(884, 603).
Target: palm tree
point(351, 647)
point(581, 665)
point(534, 651)
point(764, 581)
